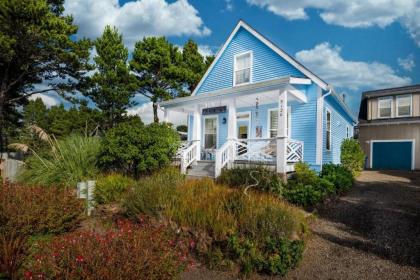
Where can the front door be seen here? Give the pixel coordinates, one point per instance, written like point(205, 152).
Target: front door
point(243, 130)
point(210, 135)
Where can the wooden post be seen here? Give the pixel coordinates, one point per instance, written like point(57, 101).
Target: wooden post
point(197, 131)
point(282, 134)
point(232, 129)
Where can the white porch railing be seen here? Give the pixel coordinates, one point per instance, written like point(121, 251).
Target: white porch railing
point(188, 155)
point(294, 151)
point(261, 150)
point(224, 155)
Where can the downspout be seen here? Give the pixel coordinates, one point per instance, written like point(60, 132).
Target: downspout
point(322, 122)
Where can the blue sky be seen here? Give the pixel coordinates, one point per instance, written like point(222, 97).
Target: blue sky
point(354, 45)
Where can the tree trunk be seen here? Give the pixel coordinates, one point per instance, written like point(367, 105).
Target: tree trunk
point(2, 126)
point(155, 112)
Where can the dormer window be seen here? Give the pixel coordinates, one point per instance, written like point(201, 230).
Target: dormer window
point(404, 106)
point(385, 107)
point(242, 68)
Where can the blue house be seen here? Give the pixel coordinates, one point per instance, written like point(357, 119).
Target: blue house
point(257, 104)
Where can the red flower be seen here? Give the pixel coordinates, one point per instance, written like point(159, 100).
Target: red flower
point(28, 274)
point(80, 259)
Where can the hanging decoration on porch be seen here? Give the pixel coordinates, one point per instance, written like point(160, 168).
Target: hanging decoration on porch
point(258, 127)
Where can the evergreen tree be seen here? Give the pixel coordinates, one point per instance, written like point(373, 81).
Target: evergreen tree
point(112, 86)
point(159, 69)
point(195, 63)
point(36, 47)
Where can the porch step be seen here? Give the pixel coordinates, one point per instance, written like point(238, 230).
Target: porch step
point(201, 169)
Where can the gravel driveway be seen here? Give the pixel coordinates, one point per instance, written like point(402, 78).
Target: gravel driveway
point(373, 232)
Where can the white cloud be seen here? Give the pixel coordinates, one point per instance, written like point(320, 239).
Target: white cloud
point(326, 61)
point(229, 5)
point(145, 112)
point(351, 13)
point(206, 50)
point(407, 63)
point(136, 19)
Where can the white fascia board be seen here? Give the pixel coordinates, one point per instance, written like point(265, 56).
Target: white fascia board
point(300, 81)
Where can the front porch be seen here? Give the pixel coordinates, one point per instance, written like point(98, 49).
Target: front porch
point(245, 124)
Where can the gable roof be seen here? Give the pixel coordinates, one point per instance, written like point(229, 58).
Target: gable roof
point(270, 45)
point(391, 91)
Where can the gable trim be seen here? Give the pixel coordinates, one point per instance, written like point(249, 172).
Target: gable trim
point(269, 44)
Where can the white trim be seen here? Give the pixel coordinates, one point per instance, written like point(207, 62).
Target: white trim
point(390, 123)
point(298, 94)
point(276, 49)
point(328, 111)
point(411, 105)
point(413, 148)
point(249, 122)
point(269, 120)
point(204, 129)
point(251, 64)
point(319, 127)
point(392, 106)
point(300, 81)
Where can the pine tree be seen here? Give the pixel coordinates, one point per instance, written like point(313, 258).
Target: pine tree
point(111, 87)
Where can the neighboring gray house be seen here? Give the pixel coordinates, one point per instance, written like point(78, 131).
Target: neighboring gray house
point(389, 127)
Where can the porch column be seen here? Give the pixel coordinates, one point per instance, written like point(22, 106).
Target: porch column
point(232, 133)
point(282, 133)
point(196, 133)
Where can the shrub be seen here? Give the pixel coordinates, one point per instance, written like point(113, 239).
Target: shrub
point(352, 156)
point(68, 161)
point(307, 188)
point(112, 188)
point(37, 210)
point(133, 148)
point(266, 180)
point(339, 175)
point(28, 211)
point(129, 252)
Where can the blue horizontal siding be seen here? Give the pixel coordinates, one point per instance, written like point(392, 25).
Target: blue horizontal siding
point(340, 121)
point(267, 64)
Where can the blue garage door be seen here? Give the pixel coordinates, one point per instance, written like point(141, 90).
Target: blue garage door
point(392, 155)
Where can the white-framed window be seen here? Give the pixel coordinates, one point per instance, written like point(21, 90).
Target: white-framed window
point(404, 105)
point(242, 69)
point(328, 131)
point(273, 117)
point(210, 132)
point(385, 107)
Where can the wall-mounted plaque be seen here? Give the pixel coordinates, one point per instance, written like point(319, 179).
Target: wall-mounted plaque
point(214, 110)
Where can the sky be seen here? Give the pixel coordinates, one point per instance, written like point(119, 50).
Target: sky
point(354, 45)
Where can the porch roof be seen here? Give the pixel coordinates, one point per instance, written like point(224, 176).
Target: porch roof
point(244, 90)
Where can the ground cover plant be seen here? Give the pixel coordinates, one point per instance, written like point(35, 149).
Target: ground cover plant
point(129, 251)
point(251, 230)
point(30, 212)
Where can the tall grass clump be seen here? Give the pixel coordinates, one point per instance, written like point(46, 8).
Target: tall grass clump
point(257, 231)
point(112, 187)
point(66, 162)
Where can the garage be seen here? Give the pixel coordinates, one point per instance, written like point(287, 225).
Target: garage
point(392, 154)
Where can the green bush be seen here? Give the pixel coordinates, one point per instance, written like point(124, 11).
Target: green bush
point(133, 148)
point(352, 156)
point(306, 188)
point(266, 179)
point(67, 162)
point(112, 188)
point(339, 175)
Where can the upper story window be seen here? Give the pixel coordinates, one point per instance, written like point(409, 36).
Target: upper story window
point(242, 68)
point(404, 106)
point(385, 107)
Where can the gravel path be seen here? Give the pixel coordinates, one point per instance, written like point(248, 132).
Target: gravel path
point(373, 232)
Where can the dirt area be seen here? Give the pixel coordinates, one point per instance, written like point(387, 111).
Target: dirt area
point(373, 232)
